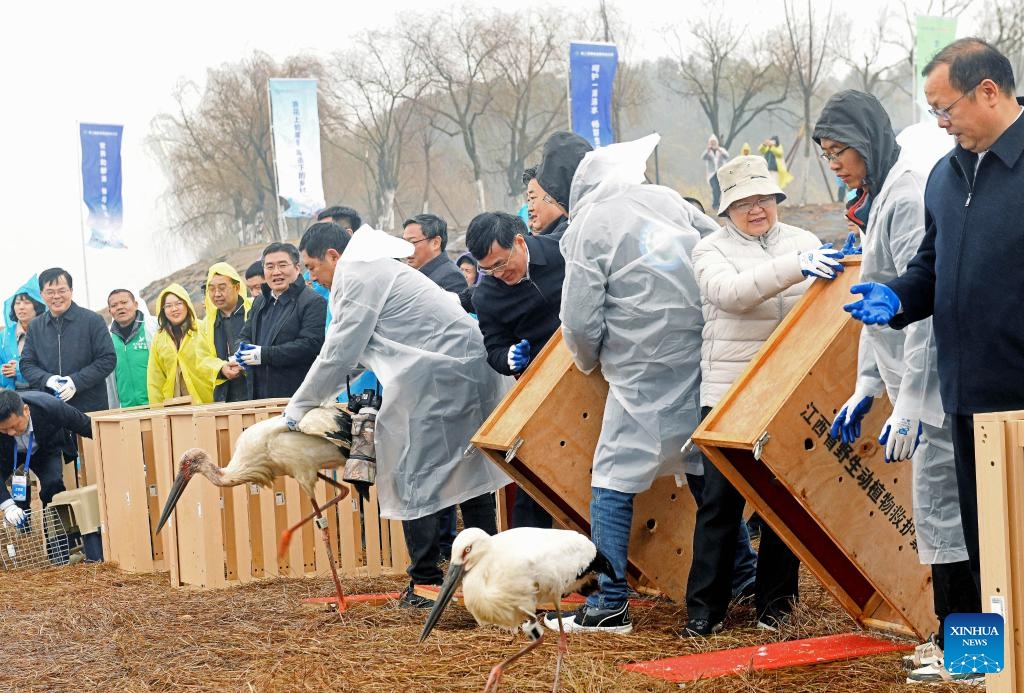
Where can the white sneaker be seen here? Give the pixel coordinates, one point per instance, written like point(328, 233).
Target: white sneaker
point(924, 654)
point(936, 673)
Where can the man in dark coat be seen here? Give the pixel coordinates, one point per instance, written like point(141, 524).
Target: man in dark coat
point(39, 422)
point(429, 235)
point(68, 349)
point(285, 328)
point(967, 273)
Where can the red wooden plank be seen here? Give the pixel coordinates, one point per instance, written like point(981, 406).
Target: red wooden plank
point(776, 655)
point(371, 599)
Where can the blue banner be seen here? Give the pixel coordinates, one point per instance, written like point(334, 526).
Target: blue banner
point(296, 125)
point(591, 75)
point(101, 183)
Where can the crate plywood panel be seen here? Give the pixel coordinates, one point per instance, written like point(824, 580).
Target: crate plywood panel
point(543, 435)
point(845, 512)
point(999, 454)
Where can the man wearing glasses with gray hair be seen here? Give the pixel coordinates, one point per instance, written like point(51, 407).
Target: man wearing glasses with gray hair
point(68, 350)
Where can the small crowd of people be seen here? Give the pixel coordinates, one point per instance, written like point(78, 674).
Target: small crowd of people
point(671, 304)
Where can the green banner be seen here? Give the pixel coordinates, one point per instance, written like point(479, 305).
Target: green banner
point(933, 34)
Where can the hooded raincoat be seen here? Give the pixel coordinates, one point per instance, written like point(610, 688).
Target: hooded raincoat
point(9, 340)
point(901, 363)
point(429, 355)
point(630, 304)
point(208, 328)
point(198, 367)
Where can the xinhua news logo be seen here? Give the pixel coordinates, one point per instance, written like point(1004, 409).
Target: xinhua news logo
point(973, 644)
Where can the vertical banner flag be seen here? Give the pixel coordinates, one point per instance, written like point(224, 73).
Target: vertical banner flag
point(933, 34)
point(591, 75)
point(101, 183)
point(296, 128)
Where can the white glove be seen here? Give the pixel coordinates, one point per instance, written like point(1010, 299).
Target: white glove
point(900, 436)
point(820, 262)
point(12, 513)
point(68, 390)
point(251, 354)
point(54, 382)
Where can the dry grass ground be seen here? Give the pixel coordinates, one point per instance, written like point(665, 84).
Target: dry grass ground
point(93, 627)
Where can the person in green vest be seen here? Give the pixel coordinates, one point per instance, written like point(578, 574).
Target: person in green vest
point(132, 331)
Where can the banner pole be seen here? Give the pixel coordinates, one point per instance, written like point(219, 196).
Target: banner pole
point(282, 229)
point(81, 221)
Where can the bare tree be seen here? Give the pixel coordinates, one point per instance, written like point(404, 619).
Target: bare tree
point(862, 53)
point(216, 151)
point(1003, 25)
point(807, 46)
point(735, 79)
point(374, 90)
point(457, 50)
point(528, 92)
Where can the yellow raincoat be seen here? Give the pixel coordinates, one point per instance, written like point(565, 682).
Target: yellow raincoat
point(199, 367)
point(224, 270)
point(785, 177)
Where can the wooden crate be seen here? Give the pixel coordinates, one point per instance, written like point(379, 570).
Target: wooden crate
point(842, 510)
point(230, 535)
point(543, 435)
point(999, 450)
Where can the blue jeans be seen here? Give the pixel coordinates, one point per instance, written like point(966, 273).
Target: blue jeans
point(745, 564)
point(611, 516)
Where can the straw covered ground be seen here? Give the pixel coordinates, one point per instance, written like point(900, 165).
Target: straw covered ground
point(93, 627)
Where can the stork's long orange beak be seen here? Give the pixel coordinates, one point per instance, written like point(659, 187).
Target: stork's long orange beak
point(451, 583)
point(180, 482)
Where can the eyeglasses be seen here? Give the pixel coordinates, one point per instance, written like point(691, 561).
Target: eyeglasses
point(943, 113)
point(490, 272)
point(550, 200)
point(173, 305)
point(280, 266)
point(53, 293)
point(832, 156)
point(418, 240)
point(762, 202)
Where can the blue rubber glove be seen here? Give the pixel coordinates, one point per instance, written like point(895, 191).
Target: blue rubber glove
point(518, 356)
point(846, 427)
point(877, 307)
point(822, 262)
point(899, 437)
point(851, 247)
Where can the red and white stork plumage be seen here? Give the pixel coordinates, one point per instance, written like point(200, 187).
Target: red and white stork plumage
point(505, 576)
point(269, 449)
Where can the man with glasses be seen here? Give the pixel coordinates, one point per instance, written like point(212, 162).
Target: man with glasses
point(227, 307)
point(517, 302)
point(967, 272)
point(428, 234)
point(68, 349)
point(285, 328)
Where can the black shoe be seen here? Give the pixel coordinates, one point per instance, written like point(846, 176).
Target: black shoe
point(774, 620)
point(590, 619)
point(410, 600)
point(700, 627)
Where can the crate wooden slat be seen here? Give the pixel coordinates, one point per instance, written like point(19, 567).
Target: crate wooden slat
point(999, 454)
point(842, 510)
point(543, 434)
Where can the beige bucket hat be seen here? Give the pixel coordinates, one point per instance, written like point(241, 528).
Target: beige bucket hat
point(745, 176)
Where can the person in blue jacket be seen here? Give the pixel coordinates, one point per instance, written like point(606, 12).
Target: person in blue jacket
point(21, 308)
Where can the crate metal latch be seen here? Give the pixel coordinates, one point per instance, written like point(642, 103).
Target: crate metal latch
point(759, 445)
point(511, 454)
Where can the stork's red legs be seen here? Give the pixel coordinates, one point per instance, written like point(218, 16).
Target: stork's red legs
point(499, 669)
point(286, 535)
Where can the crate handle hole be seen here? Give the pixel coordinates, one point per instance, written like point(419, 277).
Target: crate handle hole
point(808, 444)
point(651, 524)
point(586, 414)
point(561, 443)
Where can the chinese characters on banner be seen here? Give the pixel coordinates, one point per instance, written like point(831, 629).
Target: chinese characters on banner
point(591, 75)
point(296, 128)
point(101, 183)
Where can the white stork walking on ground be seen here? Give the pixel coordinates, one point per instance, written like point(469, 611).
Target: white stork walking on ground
point(505, 576)
point(269, 449)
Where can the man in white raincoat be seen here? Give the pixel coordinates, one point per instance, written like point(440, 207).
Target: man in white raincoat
point(630, 304)
point(855, 133)
point(429, 356)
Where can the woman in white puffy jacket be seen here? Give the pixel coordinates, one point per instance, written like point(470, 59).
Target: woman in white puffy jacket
point(750, 273)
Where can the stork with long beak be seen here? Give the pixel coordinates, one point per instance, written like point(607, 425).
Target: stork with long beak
point(505, 576)
point(269, 449)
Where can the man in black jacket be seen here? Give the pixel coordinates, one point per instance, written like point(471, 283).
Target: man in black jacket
point(68, 349)
point(285, 328)
point(429, 235)
point(40, 423)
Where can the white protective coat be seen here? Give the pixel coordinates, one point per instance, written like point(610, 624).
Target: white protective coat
point(630, 304)
point(747, 284)
point(903, 361)
point(429, 356)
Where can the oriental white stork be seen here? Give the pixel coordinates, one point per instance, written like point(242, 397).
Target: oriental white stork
point(269, 449)
point(505, 576)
